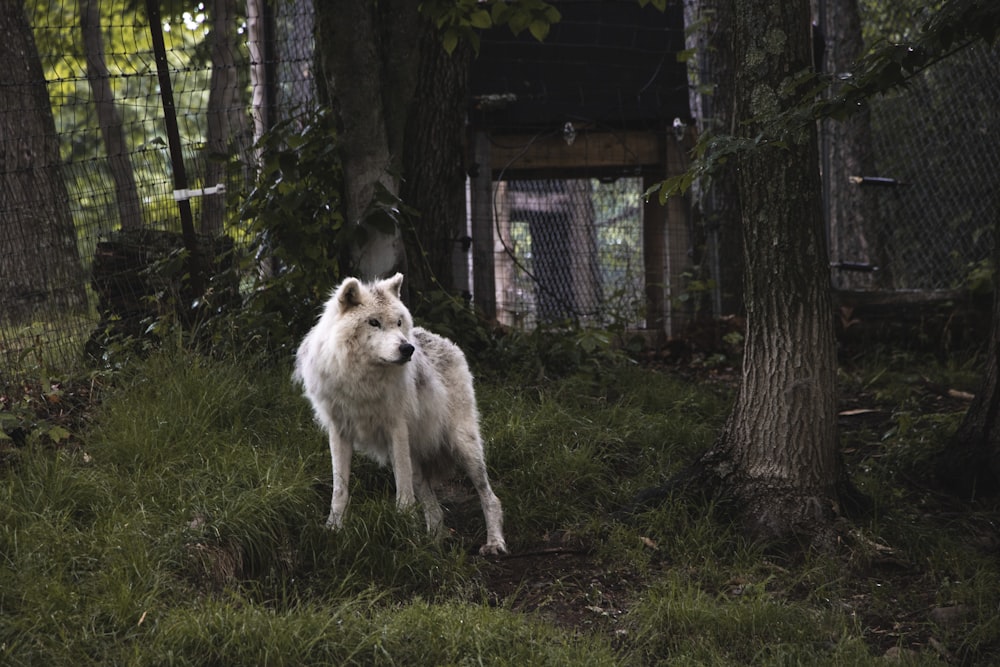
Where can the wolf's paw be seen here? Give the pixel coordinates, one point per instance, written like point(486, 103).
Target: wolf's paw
point(335, 522)
point(493, 549)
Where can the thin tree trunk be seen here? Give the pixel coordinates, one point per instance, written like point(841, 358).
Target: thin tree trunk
point(853, 208)
point(777, 452)
point(110, 121)
point(258, 47)
point(969, 464)
point(225, 115)
point(713, 106)
point(39, 260)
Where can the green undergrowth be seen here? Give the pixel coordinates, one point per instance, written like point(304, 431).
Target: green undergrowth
point(184, 526)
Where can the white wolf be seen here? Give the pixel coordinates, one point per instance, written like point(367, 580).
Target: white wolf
point(398, 394)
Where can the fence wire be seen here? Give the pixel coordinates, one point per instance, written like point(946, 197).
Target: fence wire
point(572, 250)
point(937, 140)
point(92, 64)
point(99, 163)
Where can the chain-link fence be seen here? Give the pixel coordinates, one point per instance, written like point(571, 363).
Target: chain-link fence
point(934, 184)
point(234, 68)
point(572, 250)
point(85, 158)
point(936, 140)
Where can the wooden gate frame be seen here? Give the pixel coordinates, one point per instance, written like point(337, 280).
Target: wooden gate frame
point(666, 228)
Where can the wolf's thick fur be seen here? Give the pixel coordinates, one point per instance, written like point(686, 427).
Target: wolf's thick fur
point(398, 394)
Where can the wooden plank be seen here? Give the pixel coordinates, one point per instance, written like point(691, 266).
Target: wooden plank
point(519, 152)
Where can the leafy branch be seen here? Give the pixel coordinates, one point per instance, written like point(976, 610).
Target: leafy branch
point(462, 20)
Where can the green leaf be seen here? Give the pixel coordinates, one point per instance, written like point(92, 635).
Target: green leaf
point(539, 30)
point(450, 41)
point(481, 19)
point(57, 434)
point(517, 23)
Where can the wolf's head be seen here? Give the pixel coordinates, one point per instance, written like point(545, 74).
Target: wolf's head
point(374, 320)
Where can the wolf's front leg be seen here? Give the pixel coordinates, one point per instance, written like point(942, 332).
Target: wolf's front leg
point(340, 455)
point(402, 465)
point(432, 508)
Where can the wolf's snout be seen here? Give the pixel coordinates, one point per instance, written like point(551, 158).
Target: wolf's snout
point(405, 351)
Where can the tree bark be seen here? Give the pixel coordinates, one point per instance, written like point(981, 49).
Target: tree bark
point(854, 219)
point(39, 260)
point(433, 161)
point(363, 65)
point(777, 452)
point(969, 464)
point(226, 119)
point(110, 121)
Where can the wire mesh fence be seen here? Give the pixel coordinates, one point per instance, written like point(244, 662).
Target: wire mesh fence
point(572, 250)
point(105, 141)
point(937, 140)
point(84, 156)
point(936, 176)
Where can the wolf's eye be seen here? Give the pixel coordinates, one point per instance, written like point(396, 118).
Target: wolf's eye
point(399, 322)
point(375, 323)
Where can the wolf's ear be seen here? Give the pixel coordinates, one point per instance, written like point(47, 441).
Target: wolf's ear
point(394, 284)
point(348, 295)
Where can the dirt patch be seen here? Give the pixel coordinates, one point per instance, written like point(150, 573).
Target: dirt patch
point(561, 580)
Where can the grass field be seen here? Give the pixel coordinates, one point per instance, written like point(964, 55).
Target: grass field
point(181, 523)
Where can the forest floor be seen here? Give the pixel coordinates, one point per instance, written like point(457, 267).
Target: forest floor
point(563, 578)
point(920, 577)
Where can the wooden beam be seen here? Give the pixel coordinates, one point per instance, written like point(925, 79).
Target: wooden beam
point(632, 148)
point(484, 288)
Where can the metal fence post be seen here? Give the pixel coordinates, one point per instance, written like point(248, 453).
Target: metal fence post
point(174, 144)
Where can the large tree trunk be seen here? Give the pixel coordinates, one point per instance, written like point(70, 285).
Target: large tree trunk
point(433, 161)
point(368, 58)
point(39, 261)
point(110, 121)
point(777, 453)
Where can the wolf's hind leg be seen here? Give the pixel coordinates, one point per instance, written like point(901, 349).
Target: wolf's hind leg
point(470, 457)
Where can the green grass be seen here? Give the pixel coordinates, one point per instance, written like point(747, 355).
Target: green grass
point(184, 526)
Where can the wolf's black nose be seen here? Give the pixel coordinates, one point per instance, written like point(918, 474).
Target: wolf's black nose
point(405, 351)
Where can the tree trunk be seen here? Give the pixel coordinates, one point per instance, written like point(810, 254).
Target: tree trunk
point(39, 261)
point(777, 452)
point(969, 465)
point(712, 75)
point(365, 52)
point(433, 161)
point(401, 102)
point(225, 115)
point(110, 121)
point(258, 47)
point(854, 237)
